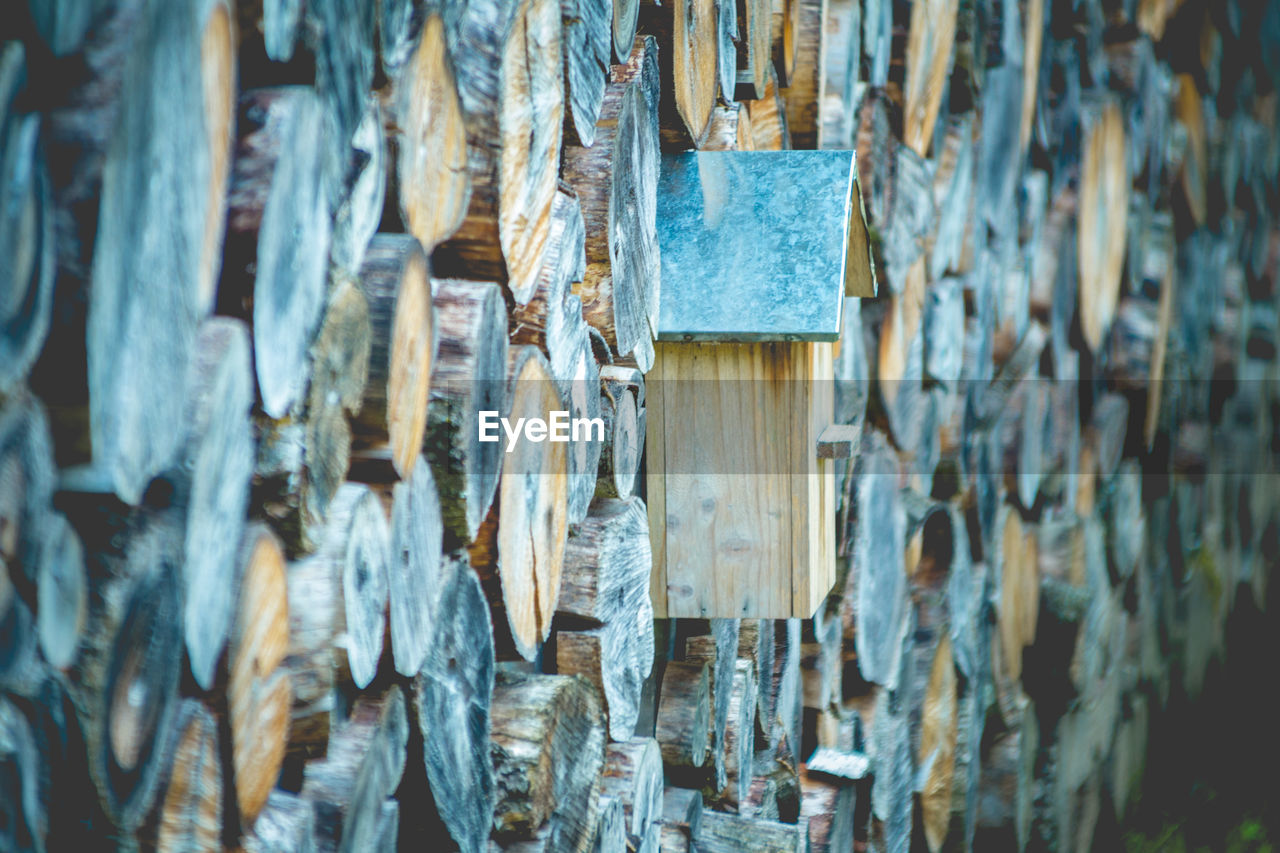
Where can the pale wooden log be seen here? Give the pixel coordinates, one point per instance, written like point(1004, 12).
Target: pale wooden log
point(396, 281)
point(633, 775)
point(508, 63)
point(62, 594)
point(621, 452)
point(27, 242)
point(259, 694)
point(414, 573)
point(727, 35)
point(722, 833)
point(730, 129)
point(451, 699)
point(548, 750)
point(616, 181)
point(544, 318)
point(588, 45)
point(803, 91)
point(931, 34)
point(366, 757)
point(315, 622)
point(1014, 567)
point(688, 56)
point(278, 232)
point(684, 714)
point(286, 825)
point(213, 484)
point(432, 186)
point(188, 815)
point(768, 115)
point(469, 377)
point(1104, 207)
point(132, 649)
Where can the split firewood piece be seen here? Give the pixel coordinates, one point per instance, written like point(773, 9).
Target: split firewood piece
point(1007, 787)
point(357, 191)
point(278, 232)
point(543, 320)
point(938, 733)
point(768, 117)
point(23, 817)
point(259, 695)
point(754, 50)
point(62, 594)
point(616, 181)
point(451, 699)
point(719, 649)
point(414, 572)
point(316, 617)
point(510, 76)
point(626, 17)
point(756, 644)
point(803, 92)
point(396, 280)
point(348, 787)
point(633, 775)
point(27, 259)
point(730, 129)
point(1104, 210)
point(828, 809)
point(188, 815)
point(469, 377)
point(125, 687)
point(588, 45)
point(739, 736)
point(548, 750)
point(520, 552)
point(1017, 579)
point(880, 612)
point(357, 548)
point(683, 725)
point(682, 809)
point(285, 825)
point(605, 587)
point(27, 480)
point(611, 832)
point(931, 34)
point(688, 54)
point(213, 487)
point(730, 833)
point(432, 185)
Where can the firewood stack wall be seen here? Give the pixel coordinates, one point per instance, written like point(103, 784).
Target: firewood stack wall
point(263, 589)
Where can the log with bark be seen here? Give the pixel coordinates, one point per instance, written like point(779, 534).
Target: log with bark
point(548, 750)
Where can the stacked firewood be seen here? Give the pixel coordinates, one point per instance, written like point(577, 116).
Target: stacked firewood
point(262, 262)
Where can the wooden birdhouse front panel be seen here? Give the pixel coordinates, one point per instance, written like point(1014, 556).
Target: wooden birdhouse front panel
point(741, 509)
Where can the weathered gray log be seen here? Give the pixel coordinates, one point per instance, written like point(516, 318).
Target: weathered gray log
point(611, 832)
point(543, 319)
point(278, 232)
point(605, 582)
point(682, 807)
point(722, 833)
point(548, 750)
point(726, 48)
point(315, 621)
point(414, 574)
point(340, 35)
point(432, 186)
point(509, 69)
point(633, 775)
point(588, 44)
point(879, 568)
point(396, 281)
point(451, 698)
point(286, 825)
point(621, 451)
point(616, 181)
point(133, 648)
point(357, 190)
point(469, 377)
point(366, 758)
point(829, 809)
point(719, 649)
point(683, 725)
point(213, 483)
point(27, 481)
point(62, 594)
point(259, 694)
point(24, 822)
point(27, 261)
point(626, 15)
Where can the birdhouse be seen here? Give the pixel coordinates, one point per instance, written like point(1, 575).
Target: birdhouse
point(759, 250)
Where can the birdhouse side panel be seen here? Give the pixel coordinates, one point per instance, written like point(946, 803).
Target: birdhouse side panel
point(812, 481)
